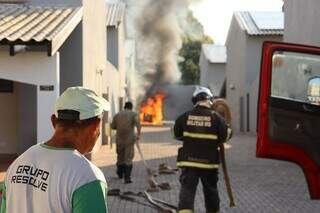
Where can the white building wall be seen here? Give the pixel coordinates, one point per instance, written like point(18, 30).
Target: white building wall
point(212, 74)
point(112, 83)
point(215, 77)
point(235, 71)
point(131, 73)
point(242, 71)
point(122, 61)
point(117, 59)
point(94, 44)
point(38, 69)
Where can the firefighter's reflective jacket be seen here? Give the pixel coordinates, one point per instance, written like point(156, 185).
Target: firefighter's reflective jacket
point(201, 131)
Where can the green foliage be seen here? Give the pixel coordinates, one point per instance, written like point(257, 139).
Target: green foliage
point(191, 50)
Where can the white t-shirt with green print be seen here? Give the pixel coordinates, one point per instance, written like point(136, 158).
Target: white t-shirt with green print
point(49, 179)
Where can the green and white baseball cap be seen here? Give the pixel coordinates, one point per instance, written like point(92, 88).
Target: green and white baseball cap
point(79, 103)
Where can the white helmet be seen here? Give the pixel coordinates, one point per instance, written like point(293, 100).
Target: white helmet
point(201, 94)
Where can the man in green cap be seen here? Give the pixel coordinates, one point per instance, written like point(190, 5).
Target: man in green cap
point(54, 176)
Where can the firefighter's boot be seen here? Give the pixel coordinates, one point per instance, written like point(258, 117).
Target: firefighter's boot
point(127, 174)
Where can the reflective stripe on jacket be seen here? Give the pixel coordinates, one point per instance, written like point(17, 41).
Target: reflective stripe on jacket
point(201, 131)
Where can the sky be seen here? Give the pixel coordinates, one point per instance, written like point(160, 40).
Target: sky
point(215, 15)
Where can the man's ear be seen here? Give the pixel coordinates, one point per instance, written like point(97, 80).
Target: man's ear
point(97, 123)
point(54, 120)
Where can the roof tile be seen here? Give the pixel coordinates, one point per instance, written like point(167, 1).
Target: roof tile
point(26, 23)
point(31, 23)
point(115, 13)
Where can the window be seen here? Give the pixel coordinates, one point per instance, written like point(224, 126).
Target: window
point(296, 76)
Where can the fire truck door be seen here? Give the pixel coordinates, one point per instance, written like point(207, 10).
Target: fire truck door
point(289, 108)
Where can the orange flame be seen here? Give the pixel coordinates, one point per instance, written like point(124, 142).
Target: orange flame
point(151, 111)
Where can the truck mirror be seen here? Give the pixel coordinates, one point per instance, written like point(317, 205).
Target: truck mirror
point(314, 90)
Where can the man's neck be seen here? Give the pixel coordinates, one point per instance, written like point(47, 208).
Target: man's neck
point(62, 141)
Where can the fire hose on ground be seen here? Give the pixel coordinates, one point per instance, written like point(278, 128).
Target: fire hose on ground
point(221, 107)
point(153, 202)
point(153, 185)
point(156, 203)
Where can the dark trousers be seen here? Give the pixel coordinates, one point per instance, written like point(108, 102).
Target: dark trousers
point(189, 181)
point(125, 153)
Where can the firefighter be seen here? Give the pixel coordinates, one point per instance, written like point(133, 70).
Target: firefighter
point(201, 130)
point(125, 122)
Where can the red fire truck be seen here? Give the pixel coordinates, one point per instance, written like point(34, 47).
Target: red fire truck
point(289, 108)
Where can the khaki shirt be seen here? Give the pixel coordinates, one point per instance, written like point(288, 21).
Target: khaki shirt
point(124, 122)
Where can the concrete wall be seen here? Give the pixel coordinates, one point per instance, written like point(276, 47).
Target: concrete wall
point(71, 69)
point(235, 70)
point(35, 68)
point(9, 121)
point(302, 22)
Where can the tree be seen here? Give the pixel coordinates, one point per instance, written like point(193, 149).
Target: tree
point(191, 49)
point(189, 68)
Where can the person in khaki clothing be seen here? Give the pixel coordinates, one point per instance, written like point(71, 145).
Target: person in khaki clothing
point(125, 122)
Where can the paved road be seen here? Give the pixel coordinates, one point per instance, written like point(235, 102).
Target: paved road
point(260, 185)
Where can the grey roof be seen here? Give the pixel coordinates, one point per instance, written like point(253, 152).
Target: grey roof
point(22, 24)
point(215, 53)
point(261, 23)
point(115, 13)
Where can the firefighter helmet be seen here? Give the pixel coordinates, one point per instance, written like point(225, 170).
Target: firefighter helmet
point(201, 94)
